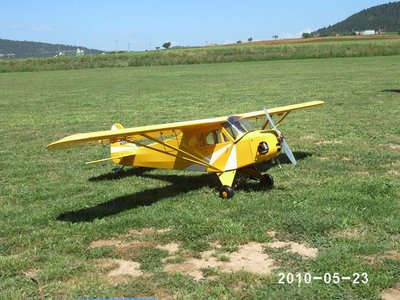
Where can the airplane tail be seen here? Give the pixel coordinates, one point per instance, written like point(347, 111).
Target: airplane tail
point(121, 148)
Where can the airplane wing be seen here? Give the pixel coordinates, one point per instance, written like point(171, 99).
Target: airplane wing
point(280, 110)
point(109, 136)
point(135, 133)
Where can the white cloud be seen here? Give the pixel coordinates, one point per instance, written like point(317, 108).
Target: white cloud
point(19, 26)
point(41, 28)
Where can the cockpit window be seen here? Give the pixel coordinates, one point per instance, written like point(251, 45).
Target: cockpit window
point(237, 127)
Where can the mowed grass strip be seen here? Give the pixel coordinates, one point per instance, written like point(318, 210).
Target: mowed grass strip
point(342, 198)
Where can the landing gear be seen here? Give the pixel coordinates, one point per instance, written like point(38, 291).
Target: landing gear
point(268, 180)
point(226, 192)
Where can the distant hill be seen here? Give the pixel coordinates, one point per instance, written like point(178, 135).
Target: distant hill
point(20, 49)
point(384, 17)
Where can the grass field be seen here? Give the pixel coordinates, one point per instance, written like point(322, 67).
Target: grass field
point(63, 225)
point(329, 47)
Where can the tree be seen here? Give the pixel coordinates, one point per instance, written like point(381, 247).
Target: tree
point(306, 35)
point(250, 39)
point(157, 48)
point(275, 37)
point(239, 42)
point(166, 45)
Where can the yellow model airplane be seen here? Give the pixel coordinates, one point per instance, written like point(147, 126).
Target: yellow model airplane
point(222, 145)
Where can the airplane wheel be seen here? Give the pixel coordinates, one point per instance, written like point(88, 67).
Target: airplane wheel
point(268, 180)
point(226, 192)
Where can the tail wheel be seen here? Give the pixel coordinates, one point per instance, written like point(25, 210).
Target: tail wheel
point(226, 192)
point(268, 180)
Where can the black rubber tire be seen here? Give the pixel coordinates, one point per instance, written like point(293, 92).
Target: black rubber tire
point(268, 180)
point(226, 192)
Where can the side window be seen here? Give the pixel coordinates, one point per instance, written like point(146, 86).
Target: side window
point(209, 138)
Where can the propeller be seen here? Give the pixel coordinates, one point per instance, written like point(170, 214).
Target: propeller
point(282, 141)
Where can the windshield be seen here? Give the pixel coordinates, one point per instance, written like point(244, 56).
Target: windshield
point(237, 127)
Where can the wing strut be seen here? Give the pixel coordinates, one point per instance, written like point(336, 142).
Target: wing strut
point(277, 123)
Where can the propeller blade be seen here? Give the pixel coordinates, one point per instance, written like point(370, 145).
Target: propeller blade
point(272, 122)
point(288, 152)
point(284, 145)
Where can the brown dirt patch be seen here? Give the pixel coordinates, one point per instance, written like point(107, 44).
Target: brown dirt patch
point(272, 233)
point(118, 268)
point(328, 143)
point(393, 172)
point(32, 275)
point(103, 243)
point(375, 260)
point(294, 247)
point(250, 257)
point(394, 164)
point(324, 158)
point(395, 147)
point(170, 247)
point(391, 294)
point(133, 248)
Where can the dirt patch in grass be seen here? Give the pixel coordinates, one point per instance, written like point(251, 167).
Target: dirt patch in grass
point(324, 158)
point(294, 247)
point(376, 260)
point(391, 255)
point(394, 164)
point(103, 243)
point(321, 143)
point(308, 137)
point(170, 247)
point(393, 172)
point(117, 269)
point(31, 274)
point(132, 232)
point(133, 248)
point(391, 294)
point(249, 257)
point(395, 147)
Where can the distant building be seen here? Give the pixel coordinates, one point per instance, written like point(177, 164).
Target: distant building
point(366, 32)
point(80, 52)
point(61, 53)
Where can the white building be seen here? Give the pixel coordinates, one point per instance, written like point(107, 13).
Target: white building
point(366, 32)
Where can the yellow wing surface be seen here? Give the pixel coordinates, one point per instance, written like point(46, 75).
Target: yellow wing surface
point(108, 136)
point(280, 110)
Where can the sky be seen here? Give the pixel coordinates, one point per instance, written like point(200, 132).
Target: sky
point(140, 25)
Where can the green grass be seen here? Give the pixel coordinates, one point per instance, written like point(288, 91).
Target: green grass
point(53, 206)
point(322, 48)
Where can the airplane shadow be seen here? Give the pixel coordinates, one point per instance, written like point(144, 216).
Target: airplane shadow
point(180, 184)
point(391, 91)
